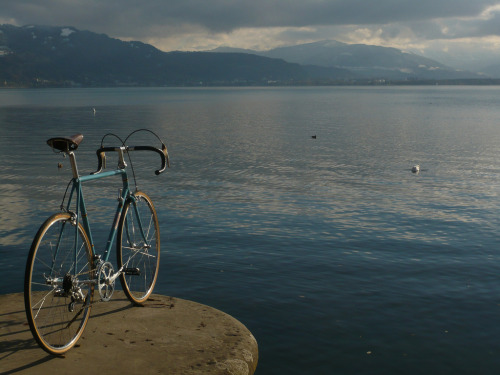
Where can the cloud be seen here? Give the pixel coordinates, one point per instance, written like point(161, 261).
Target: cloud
point(261, 24)
point(222, 15)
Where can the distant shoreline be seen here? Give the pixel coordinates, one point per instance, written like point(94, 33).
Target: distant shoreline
point(351, 82)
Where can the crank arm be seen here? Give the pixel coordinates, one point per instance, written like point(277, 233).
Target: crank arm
point(117, 274)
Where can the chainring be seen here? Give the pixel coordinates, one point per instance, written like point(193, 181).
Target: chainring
point(105, 286)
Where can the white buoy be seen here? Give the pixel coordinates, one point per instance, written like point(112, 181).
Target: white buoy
point(415, 168)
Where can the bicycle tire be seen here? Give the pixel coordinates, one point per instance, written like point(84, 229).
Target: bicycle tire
point(57, 314)
point(140, 259)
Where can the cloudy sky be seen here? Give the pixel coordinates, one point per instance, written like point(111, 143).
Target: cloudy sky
point(462, 32)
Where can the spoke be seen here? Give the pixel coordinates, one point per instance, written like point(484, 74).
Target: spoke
point(45, 264)
point(148, 226)
point(149, 255)
point(41, 302)
point(42, 284)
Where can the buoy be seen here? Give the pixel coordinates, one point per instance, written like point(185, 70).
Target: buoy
point(415, 168)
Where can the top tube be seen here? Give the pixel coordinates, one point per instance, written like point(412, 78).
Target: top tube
point(101, 175)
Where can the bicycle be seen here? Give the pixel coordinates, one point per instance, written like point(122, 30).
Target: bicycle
point(63, 268)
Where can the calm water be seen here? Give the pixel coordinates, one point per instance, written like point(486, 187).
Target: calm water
point(336, 256)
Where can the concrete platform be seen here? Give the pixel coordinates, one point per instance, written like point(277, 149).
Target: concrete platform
point(166, 336)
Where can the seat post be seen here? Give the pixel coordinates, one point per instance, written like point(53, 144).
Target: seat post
point(74, 168)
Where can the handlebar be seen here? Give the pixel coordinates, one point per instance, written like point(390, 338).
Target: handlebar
point(101, 156)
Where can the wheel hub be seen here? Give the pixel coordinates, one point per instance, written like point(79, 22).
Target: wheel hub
point(68, 281)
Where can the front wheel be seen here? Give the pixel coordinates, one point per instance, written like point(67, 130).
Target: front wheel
point(58, 283)
point(138, 248)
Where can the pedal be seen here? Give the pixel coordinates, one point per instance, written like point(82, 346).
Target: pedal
point(131, 271)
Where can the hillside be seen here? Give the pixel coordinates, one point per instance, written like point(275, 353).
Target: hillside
point(41, 56)
point(364, 61)
point(45, 56)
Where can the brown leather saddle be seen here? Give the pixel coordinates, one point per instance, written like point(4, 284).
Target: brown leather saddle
point(65, 144)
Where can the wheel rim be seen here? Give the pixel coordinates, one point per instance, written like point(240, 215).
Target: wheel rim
point(135, 254)
point(58, 287)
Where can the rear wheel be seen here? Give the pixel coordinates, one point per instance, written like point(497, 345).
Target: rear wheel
point(58, 285)
point(138, 248)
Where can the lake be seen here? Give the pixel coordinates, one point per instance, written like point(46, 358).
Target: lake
point(335, 255)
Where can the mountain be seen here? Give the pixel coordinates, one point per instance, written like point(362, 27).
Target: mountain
point(40, 56)
point(235, 50)
point(492, 71)
point(55, 56)
point(364, 60)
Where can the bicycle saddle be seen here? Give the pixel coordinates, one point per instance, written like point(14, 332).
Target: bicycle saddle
point(65, 144)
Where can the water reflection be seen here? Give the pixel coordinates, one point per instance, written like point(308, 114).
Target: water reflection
point(333, 233)
point(253, 156)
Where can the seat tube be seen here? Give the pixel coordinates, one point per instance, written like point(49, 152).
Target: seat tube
point(82, 213)
point(79, 199)
point(74, 168)
point(75, 246)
